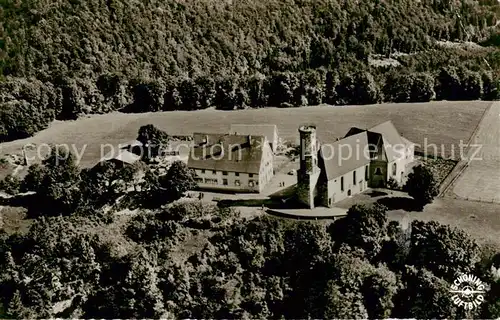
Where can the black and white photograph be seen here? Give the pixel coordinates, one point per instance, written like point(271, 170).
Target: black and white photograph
point(250, 159)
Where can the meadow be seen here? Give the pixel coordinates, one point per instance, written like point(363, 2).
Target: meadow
point(444, 123)
point(479, 219)
point(481, 179)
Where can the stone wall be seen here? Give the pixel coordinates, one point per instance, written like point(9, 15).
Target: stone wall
point(308, 173)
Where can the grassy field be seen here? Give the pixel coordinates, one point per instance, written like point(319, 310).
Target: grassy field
point(444, 123)
point(480, 220)
point(481, 179)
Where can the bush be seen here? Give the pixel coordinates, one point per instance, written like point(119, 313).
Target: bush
point(145, 227)
point(393, 184)
point(10, 184)
point(421, 185)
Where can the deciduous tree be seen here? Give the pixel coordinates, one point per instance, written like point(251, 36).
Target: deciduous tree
point(421, 185)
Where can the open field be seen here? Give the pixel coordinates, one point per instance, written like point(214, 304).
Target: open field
point(445, 123)
point(481, 178)
point(480, 220)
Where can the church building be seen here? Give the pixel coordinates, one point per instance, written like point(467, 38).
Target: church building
point(363, 159)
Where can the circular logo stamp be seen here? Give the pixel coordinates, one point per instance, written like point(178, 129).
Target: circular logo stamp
point(468, 291)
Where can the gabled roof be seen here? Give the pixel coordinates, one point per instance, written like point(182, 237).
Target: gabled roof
point(270, 131)
point(123, 156)
point(354, 130)
point(394, 144)
point(389, 132)
point(408, 142)
point(127, 157)
point(130, 144)
point(226, 152)
point(345, 155)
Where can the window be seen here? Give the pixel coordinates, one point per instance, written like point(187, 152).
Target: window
point(378, 172)
point(329, 201)
point(237, 183)
point(202, 170)
point(342, 184)
point(211, 181)
point(250, 175)
point(394, 169)
point(224, 173)
point(237, 174)
point(199, 180)
point(250, 183)
point(354, 177)
point(224, 182)
point(366, 173)
point(214, 172)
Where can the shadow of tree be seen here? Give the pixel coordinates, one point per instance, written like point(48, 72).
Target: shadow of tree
point(375, 193)
point(400, 203)
point(28, 201)
point(284, 193)
point(271, 203)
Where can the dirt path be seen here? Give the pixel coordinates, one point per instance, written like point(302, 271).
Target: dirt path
point(480, 179)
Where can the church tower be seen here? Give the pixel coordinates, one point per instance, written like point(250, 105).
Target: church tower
point(308, 173)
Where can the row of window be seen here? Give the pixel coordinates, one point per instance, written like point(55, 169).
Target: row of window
point(354, 180)
point(251, 183)
point(225, 173)
point(378, 172)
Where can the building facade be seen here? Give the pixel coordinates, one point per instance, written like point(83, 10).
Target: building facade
point(363, 159)
point(230, 162)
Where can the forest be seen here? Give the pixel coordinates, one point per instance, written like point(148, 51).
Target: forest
point(363, 266)
point(60, 59)
point(157, 254)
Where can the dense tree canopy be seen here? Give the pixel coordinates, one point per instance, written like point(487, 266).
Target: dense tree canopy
point(190, 259)
point(265, 267)
point(68, 58)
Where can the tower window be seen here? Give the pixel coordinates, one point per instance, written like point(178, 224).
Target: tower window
point(342, 184)
point(366, 173)
point(354, 177)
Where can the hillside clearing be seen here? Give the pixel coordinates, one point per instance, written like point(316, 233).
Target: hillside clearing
point(480, 220)
point(480, 180)
point(444, 123)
